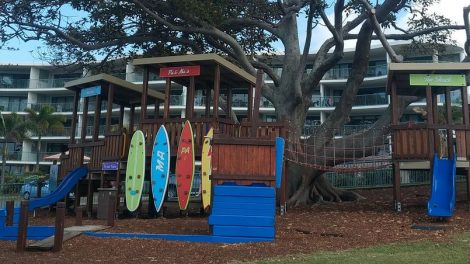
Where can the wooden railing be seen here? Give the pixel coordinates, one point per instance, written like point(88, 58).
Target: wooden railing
point(174, 126)
point(114, 147)
point(71, 161)
point(420, 141)
point(243, 160)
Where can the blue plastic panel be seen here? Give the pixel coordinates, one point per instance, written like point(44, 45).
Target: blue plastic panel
point(251, 191)
point(188, 238)
point(233, 220)
point(33, 233)
point(265, 211)
point(243, 231)
point(244, 199)
point(247, 206)
point(442, 200)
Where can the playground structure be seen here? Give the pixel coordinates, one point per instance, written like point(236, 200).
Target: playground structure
point(212, 74)
point(245, 161)
point(423, 145)
point(244, 202)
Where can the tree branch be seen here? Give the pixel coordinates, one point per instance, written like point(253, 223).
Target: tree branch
point(268, 70)
point(378, 32)
point(411, 35)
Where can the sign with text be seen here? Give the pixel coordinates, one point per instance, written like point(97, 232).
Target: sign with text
point(183, 71)
point(91, 91)
point(110, 165)
point(437, 79)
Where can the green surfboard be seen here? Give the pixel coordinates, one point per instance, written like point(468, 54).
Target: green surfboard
point(135, 171)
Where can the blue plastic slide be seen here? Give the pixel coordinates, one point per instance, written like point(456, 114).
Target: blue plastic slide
point(442, 201)
point(62, 190)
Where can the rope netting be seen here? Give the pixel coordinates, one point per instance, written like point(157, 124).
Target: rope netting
point(340, 150)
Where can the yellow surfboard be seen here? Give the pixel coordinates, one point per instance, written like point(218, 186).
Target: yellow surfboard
point(206, 169)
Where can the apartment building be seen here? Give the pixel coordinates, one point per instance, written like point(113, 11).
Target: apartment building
point(32, 86)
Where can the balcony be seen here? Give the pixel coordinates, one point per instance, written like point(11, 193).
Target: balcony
point(310, 127)
point(59, 107)
point(15, 83)
point(36, 83)
point(361, 100)
point(343, 73)
point(29, 157)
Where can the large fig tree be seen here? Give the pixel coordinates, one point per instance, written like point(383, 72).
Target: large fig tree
point(84, 31)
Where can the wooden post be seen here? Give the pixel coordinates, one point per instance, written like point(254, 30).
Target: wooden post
point(77, 195)
point(396, 186)
point(249, 114)
point(59, 227)
point(166, 110)
point(101, 179)
point(254, 121)
point(84, 121)
point(89, 199)
point(190, 98)
point(121, 117)
point(463, 93)
point(468, 189)
point(449, 122)
point(78, 215)
point(145, 88)
point(10, 212)
point(109, 108)
point(111, 210)
point(156, 111)
point(229, 103)
point(118, 188)
point(216, 92)
point(96, 119)
point(431, 105)
point(22, 227)
point(76, 99)
point(131, 123)
point(208, 102)
point(466, 122)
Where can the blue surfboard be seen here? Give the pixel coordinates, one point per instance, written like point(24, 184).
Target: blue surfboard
point(160, 167)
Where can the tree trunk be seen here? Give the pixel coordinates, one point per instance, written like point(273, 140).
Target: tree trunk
point(4, 164)
point(36, 168)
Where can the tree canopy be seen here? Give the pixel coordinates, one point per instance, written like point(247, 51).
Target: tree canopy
point(84, 31)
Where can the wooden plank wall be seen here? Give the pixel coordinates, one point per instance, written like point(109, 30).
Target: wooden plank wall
point(113, 148)
point(462, 142)
point(72, 161)
point(244, 161)
point(411, 143)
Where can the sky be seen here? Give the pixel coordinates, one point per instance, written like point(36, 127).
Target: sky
point(28, 52)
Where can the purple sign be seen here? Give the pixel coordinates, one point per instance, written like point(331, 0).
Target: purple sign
point(110, 166)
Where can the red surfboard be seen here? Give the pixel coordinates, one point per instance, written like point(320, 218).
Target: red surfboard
point(185, 166)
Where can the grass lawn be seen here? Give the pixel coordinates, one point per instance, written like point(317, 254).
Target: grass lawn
point(454, 251)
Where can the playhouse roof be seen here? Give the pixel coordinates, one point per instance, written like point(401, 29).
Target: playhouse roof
point(400, 74)
point(125, 92)
point(232, 76)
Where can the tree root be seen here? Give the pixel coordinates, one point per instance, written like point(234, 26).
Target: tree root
point(315, 188)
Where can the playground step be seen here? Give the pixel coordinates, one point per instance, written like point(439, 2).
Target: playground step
point(69, 233)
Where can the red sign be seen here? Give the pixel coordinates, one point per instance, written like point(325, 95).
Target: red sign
point(182, 71)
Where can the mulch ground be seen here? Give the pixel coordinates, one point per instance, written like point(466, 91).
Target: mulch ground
point(327, 226)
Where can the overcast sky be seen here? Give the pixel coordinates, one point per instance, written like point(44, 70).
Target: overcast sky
point(28, 54)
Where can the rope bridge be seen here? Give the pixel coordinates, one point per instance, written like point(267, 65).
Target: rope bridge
point(346, 151)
